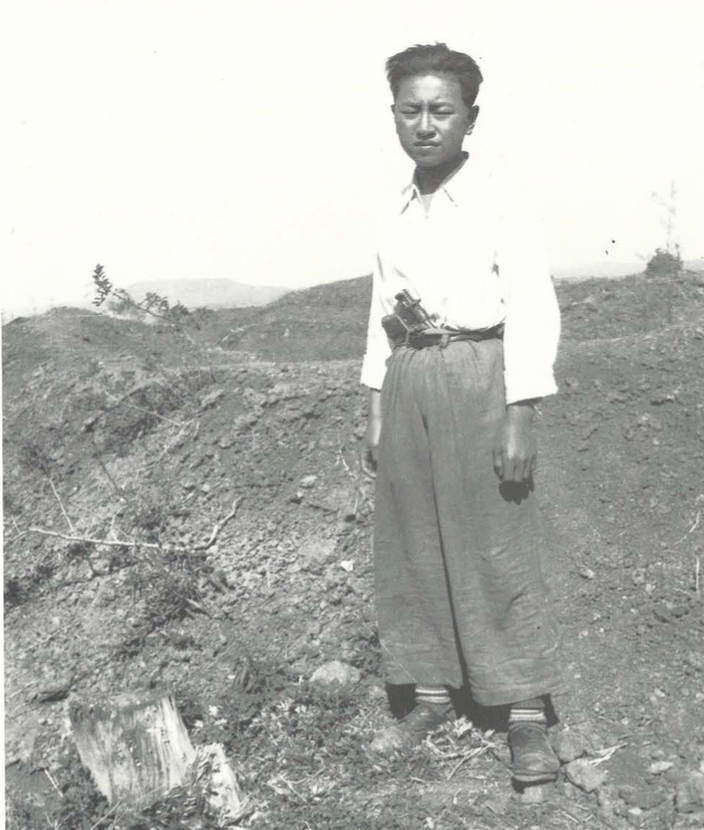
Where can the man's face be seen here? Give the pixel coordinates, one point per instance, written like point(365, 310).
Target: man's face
point(432, 119)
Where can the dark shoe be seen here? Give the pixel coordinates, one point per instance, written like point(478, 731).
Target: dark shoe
point(532, 758)
point(413, 729)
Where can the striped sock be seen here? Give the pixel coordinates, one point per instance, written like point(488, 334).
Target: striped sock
point(528, 711)
point(433, 695)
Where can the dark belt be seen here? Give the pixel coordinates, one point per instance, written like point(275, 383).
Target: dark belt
point(423, 339)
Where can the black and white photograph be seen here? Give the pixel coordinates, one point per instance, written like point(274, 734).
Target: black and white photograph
point(353, 415)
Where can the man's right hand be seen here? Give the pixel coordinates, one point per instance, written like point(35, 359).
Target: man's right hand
point(370, 443)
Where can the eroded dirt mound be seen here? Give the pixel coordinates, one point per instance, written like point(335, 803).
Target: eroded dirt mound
point(238, 483)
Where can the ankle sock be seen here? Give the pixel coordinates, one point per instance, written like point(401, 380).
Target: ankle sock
point(433, 695)
point(528, 711)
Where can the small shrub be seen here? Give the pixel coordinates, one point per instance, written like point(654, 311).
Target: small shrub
point(82, 805)
point(168, 581)
point(125, 307)
point(150, 512)
point(35, 456)
point(664, 264)
point(13, 591)
point(136, 415)
point(153, 305)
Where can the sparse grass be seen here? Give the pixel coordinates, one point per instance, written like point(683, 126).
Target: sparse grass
point(168, 583)
point(78, 805)
point(35, 455)
point(302, 754)
point(20, 587)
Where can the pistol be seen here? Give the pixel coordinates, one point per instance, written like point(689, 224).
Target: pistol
point(409, 317)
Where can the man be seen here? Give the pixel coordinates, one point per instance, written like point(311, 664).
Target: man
point(457, 544)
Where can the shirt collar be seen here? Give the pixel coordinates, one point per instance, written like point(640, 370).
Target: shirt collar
point(451, 187)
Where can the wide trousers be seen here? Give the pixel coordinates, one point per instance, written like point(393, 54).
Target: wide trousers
point(458, 556)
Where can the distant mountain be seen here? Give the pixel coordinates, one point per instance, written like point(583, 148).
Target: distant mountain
point(208, 293)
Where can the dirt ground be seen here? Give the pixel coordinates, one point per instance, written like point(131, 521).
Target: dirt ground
point(118, 431)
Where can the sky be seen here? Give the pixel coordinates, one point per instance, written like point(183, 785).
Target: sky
point(246, 140)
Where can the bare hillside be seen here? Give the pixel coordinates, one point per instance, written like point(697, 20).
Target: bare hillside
point(185, 511)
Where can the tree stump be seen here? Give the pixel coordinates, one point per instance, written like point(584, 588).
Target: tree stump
point(137, 750)
point(139, 754)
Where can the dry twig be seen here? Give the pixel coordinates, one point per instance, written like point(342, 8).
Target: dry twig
point(112, 521)
point(606, 754)
point(691, 530)
point(474, 753)
point(107, 815)
point(219, 526)
point(88, 541)
point(343, 461)
point(197, 606)
point(170, 444)
point(61, 505)
point(19, 691)
point(120, 492)
point(503, 818)
point(53, 783)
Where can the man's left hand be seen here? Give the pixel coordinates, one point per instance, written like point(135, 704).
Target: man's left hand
point(515, 450)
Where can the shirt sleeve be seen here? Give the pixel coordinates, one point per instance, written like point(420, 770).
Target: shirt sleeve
point(378, 349)
point(532, 315)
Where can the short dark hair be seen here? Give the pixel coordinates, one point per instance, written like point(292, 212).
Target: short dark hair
point(435, 59)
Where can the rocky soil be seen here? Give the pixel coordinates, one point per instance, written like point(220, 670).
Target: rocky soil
point(224, 461)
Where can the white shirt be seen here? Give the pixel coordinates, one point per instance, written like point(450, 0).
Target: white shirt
point(475, 258)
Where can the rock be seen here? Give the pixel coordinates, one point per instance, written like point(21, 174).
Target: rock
point(695, 660)
point(336, 673)
point(638, 576)
point(690, 793)
point(533, 794)
point(58, 689)
point(658, 767)
point(585, 776)
point(635, 817)
point(209, 400)
point(691, 821)
point(318, 552)
point(244, 423)
point(307, 482)
point(643, 797)
point(607, 799)
point(662, 613)
point(568, 746)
